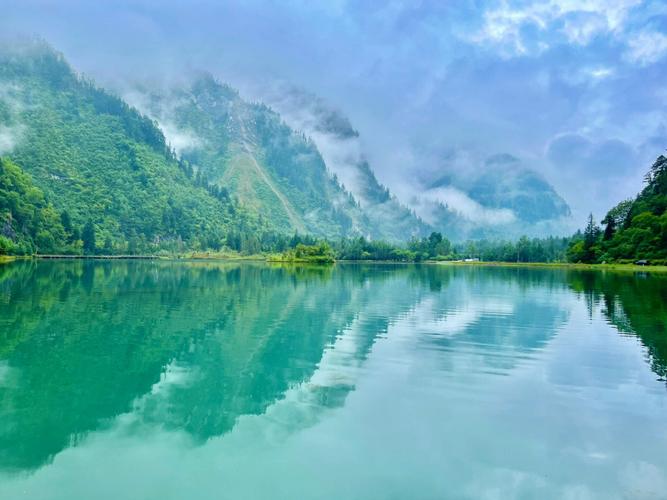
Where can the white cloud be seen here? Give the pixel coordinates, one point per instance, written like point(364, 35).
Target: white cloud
point(575, 21)
point(600, 73)
point(467, 207)
point(646, 47)
point(179, 139)
point(9, 137)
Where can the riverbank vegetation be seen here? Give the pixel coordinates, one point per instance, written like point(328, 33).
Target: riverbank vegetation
point(310, 254)
point(634, 230)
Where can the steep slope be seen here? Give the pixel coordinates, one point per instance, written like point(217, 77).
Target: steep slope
point(245, 147)
point(101, 161)
point(341, 148)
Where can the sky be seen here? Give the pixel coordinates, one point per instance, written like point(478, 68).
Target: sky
point(573, 88)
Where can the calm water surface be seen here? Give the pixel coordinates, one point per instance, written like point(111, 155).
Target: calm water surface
point(141, 380)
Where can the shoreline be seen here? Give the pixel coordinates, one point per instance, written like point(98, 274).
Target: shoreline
point(261, 258)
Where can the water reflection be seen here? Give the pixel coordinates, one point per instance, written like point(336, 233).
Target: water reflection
point(634, 303)
point(224, 365)
point(501, 315)
point(197, 345)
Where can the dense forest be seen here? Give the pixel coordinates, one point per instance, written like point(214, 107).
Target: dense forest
point(273, 171)
point(633, 230)
point(101, 166)
point(28, 223)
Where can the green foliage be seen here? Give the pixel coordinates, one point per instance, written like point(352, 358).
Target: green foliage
point(88, 237)
point(28, 223)
point(634, 229)
point(550, 249)
point(269, 168)
point(364, 249)
point(433, 247)
point(313, 254)
point(98, 160)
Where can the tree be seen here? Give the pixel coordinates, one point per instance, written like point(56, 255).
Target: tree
point(656, 178)
point(591, 235)
point(108, 246)
point(66, 222)
point(616, 218)
point(88, 237)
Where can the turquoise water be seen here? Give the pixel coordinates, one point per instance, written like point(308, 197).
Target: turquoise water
point(142, 380)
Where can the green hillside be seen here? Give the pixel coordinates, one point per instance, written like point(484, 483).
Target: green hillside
point(271, 169)
point(100, 160)
point(634, 229)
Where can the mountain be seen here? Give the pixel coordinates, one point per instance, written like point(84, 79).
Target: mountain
point(341, 148)
point(499, 198)
point(204, 169)
point(98, 160)
point(272, 170)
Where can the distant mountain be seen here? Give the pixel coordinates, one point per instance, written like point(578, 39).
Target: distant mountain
point(100, 161)
point(500, 198)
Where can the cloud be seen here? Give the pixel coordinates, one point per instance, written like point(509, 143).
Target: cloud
point(646, 47)
point(523, 28)
point(8, 139)
point(179, 139)
point(578, 154)
point(595, 174)
point(10, 106)
point(467, 207)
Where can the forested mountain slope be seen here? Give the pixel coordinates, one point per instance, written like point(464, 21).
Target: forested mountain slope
point(271, 169)
point(100, 160)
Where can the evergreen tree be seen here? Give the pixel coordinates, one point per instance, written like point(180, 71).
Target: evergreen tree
point(88, 237)
point(66, 221)
point(591, 234)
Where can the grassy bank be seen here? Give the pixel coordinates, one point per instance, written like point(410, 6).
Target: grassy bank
point(218, 256)
point(563, 265)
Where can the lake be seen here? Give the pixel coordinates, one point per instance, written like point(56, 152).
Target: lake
point(210, 380)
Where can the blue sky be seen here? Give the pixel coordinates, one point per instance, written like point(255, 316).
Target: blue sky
point(575, 89)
